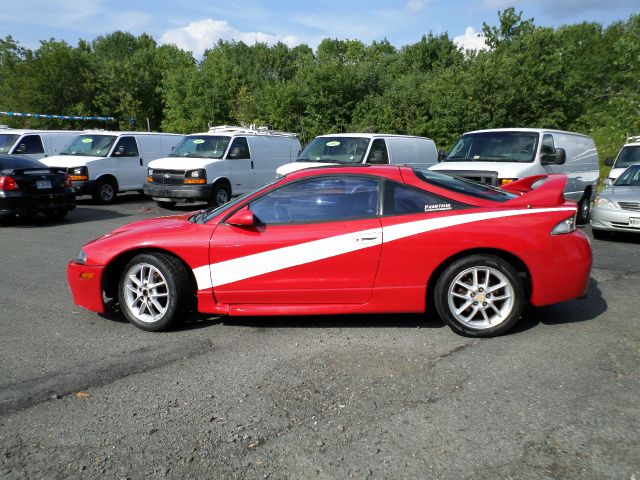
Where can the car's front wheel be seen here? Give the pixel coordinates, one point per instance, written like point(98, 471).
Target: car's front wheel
point(154, 290)
point(479, 296)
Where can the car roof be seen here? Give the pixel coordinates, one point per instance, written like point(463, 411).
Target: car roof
point(11, 162)
point(529, 130)
point(368, 135)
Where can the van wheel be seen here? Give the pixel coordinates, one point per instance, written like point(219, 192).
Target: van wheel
point(165, 204)
point(584, 208)
point(479, 296)
point(106, 191)
point(220, 195)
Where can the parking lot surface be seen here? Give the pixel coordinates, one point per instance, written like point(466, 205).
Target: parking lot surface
point(84, 396)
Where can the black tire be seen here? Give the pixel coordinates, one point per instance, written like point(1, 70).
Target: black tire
point(600, 234)
point(174, 281)
point(56, 215)
point(501, 314)
point(164, 204)
point(105, 191)
point(220, 195)
point(584, 210)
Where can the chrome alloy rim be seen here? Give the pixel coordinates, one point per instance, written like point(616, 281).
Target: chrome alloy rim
point(146, 292)
point(481, 297)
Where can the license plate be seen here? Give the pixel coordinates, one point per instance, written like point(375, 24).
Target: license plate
point(43, 184)
point(634, 222)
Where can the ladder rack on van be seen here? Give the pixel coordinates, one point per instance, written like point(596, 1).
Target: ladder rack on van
point(633, 139)
point(252, 130)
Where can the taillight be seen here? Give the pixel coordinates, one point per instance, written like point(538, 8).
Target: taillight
point(8, 183)
point(67, 181)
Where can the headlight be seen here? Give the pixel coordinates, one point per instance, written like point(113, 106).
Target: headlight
point(81, 258)
point(604, 202)
point(198, 176)
point(568, 225)
point(149, 172)
point(78, 174)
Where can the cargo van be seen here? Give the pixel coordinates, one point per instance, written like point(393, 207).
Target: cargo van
point(213, 166)
point(503, 155)
point(103, 163)
point(34, 144)
point(628, 155)
point(364, 148)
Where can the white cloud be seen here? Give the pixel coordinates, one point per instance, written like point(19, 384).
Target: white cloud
point(471, 40)
point(203, 34)
point(416, 5)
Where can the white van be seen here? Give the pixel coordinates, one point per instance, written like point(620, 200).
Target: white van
point(216, 165)
point(363, 148)
point(103, 163)
point(628, 155)
point(503, 155)
point(34, 144)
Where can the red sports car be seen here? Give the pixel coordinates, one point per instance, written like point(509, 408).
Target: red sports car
point(345, 240)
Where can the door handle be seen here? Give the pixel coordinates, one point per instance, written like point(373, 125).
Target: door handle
point(140, 162)
point(368, 238)
point(251, 164)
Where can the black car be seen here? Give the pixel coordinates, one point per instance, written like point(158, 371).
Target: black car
point(28, 187)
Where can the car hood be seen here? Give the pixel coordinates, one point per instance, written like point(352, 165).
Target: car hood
point(622, 194)
point(67, 161)
point(295, 166)
point(182, 163)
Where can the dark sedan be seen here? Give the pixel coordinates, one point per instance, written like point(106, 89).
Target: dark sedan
point(28, 187)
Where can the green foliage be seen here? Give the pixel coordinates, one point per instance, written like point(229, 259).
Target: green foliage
point(583, 77)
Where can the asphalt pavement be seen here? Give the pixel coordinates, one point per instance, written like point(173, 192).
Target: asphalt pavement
point(386, 396)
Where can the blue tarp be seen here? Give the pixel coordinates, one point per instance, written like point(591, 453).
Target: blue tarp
point(56, 117)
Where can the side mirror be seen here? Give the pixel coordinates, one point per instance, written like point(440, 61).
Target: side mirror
point(119, 151)
point(21, 148)
point(235, 152)
point(561, 156)
point(607, 182)
point(441, 155)
point(242, 218)
point(376, 157)
point(608, 162)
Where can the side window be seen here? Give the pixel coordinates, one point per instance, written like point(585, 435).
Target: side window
point(30, 144)
point(320, 199)
point(239, 149)
point(547, 149)
point(126, 147)
point(378, 153)
point(400, 199)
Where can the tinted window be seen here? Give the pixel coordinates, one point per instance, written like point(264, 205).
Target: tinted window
point(319, 199)
point(628, 156)
point(126, 147)
point(400, 199)
point(495, 147)
point(239, 148)
point(378, 153)
point(29, 144)
point(547, 149)
point(8, 162)
point(464, 186)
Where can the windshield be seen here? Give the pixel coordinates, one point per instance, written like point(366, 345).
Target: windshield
point(90, 145)
point(495, 147)
point(628, 156)
point(629, 178)
point(201, 146)
point(7, 141)
point(335, 149)
point(464, 186)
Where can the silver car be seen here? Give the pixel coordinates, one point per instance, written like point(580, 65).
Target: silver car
point(617, 208)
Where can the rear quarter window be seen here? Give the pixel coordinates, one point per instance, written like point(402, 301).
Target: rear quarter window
point(464, 186)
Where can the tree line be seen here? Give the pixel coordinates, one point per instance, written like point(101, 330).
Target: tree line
point(583, 77)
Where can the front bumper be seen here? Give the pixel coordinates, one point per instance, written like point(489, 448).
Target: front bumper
point(613, 220)
point(85, 282)
point(179, 193)
point(17, 202)
point(85, 187)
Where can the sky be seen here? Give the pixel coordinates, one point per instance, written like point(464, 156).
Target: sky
point(196, 25)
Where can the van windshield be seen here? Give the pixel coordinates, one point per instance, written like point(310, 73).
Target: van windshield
point(495, 147)
point(7, 141)
point(335, 150)
point(629, 155)
point(90, 145)
point(201, 146)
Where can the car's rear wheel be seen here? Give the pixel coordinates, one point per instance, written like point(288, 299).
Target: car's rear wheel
point(479, 296)
point(584, 209)
point(154, 290)
point(106, 191)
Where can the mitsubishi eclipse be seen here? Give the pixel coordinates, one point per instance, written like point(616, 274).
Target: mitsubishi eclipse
point(348, 240)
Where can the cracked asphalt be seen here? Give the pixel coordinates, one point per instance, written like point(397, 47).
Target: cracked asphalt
point(83, 396)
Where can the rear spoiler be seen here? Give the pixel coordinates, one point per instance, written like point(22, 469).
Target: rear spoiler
point(548, 191)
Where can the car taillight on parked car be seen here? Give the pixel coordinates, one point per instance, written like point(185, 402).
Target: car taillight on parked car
point(8, 184)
